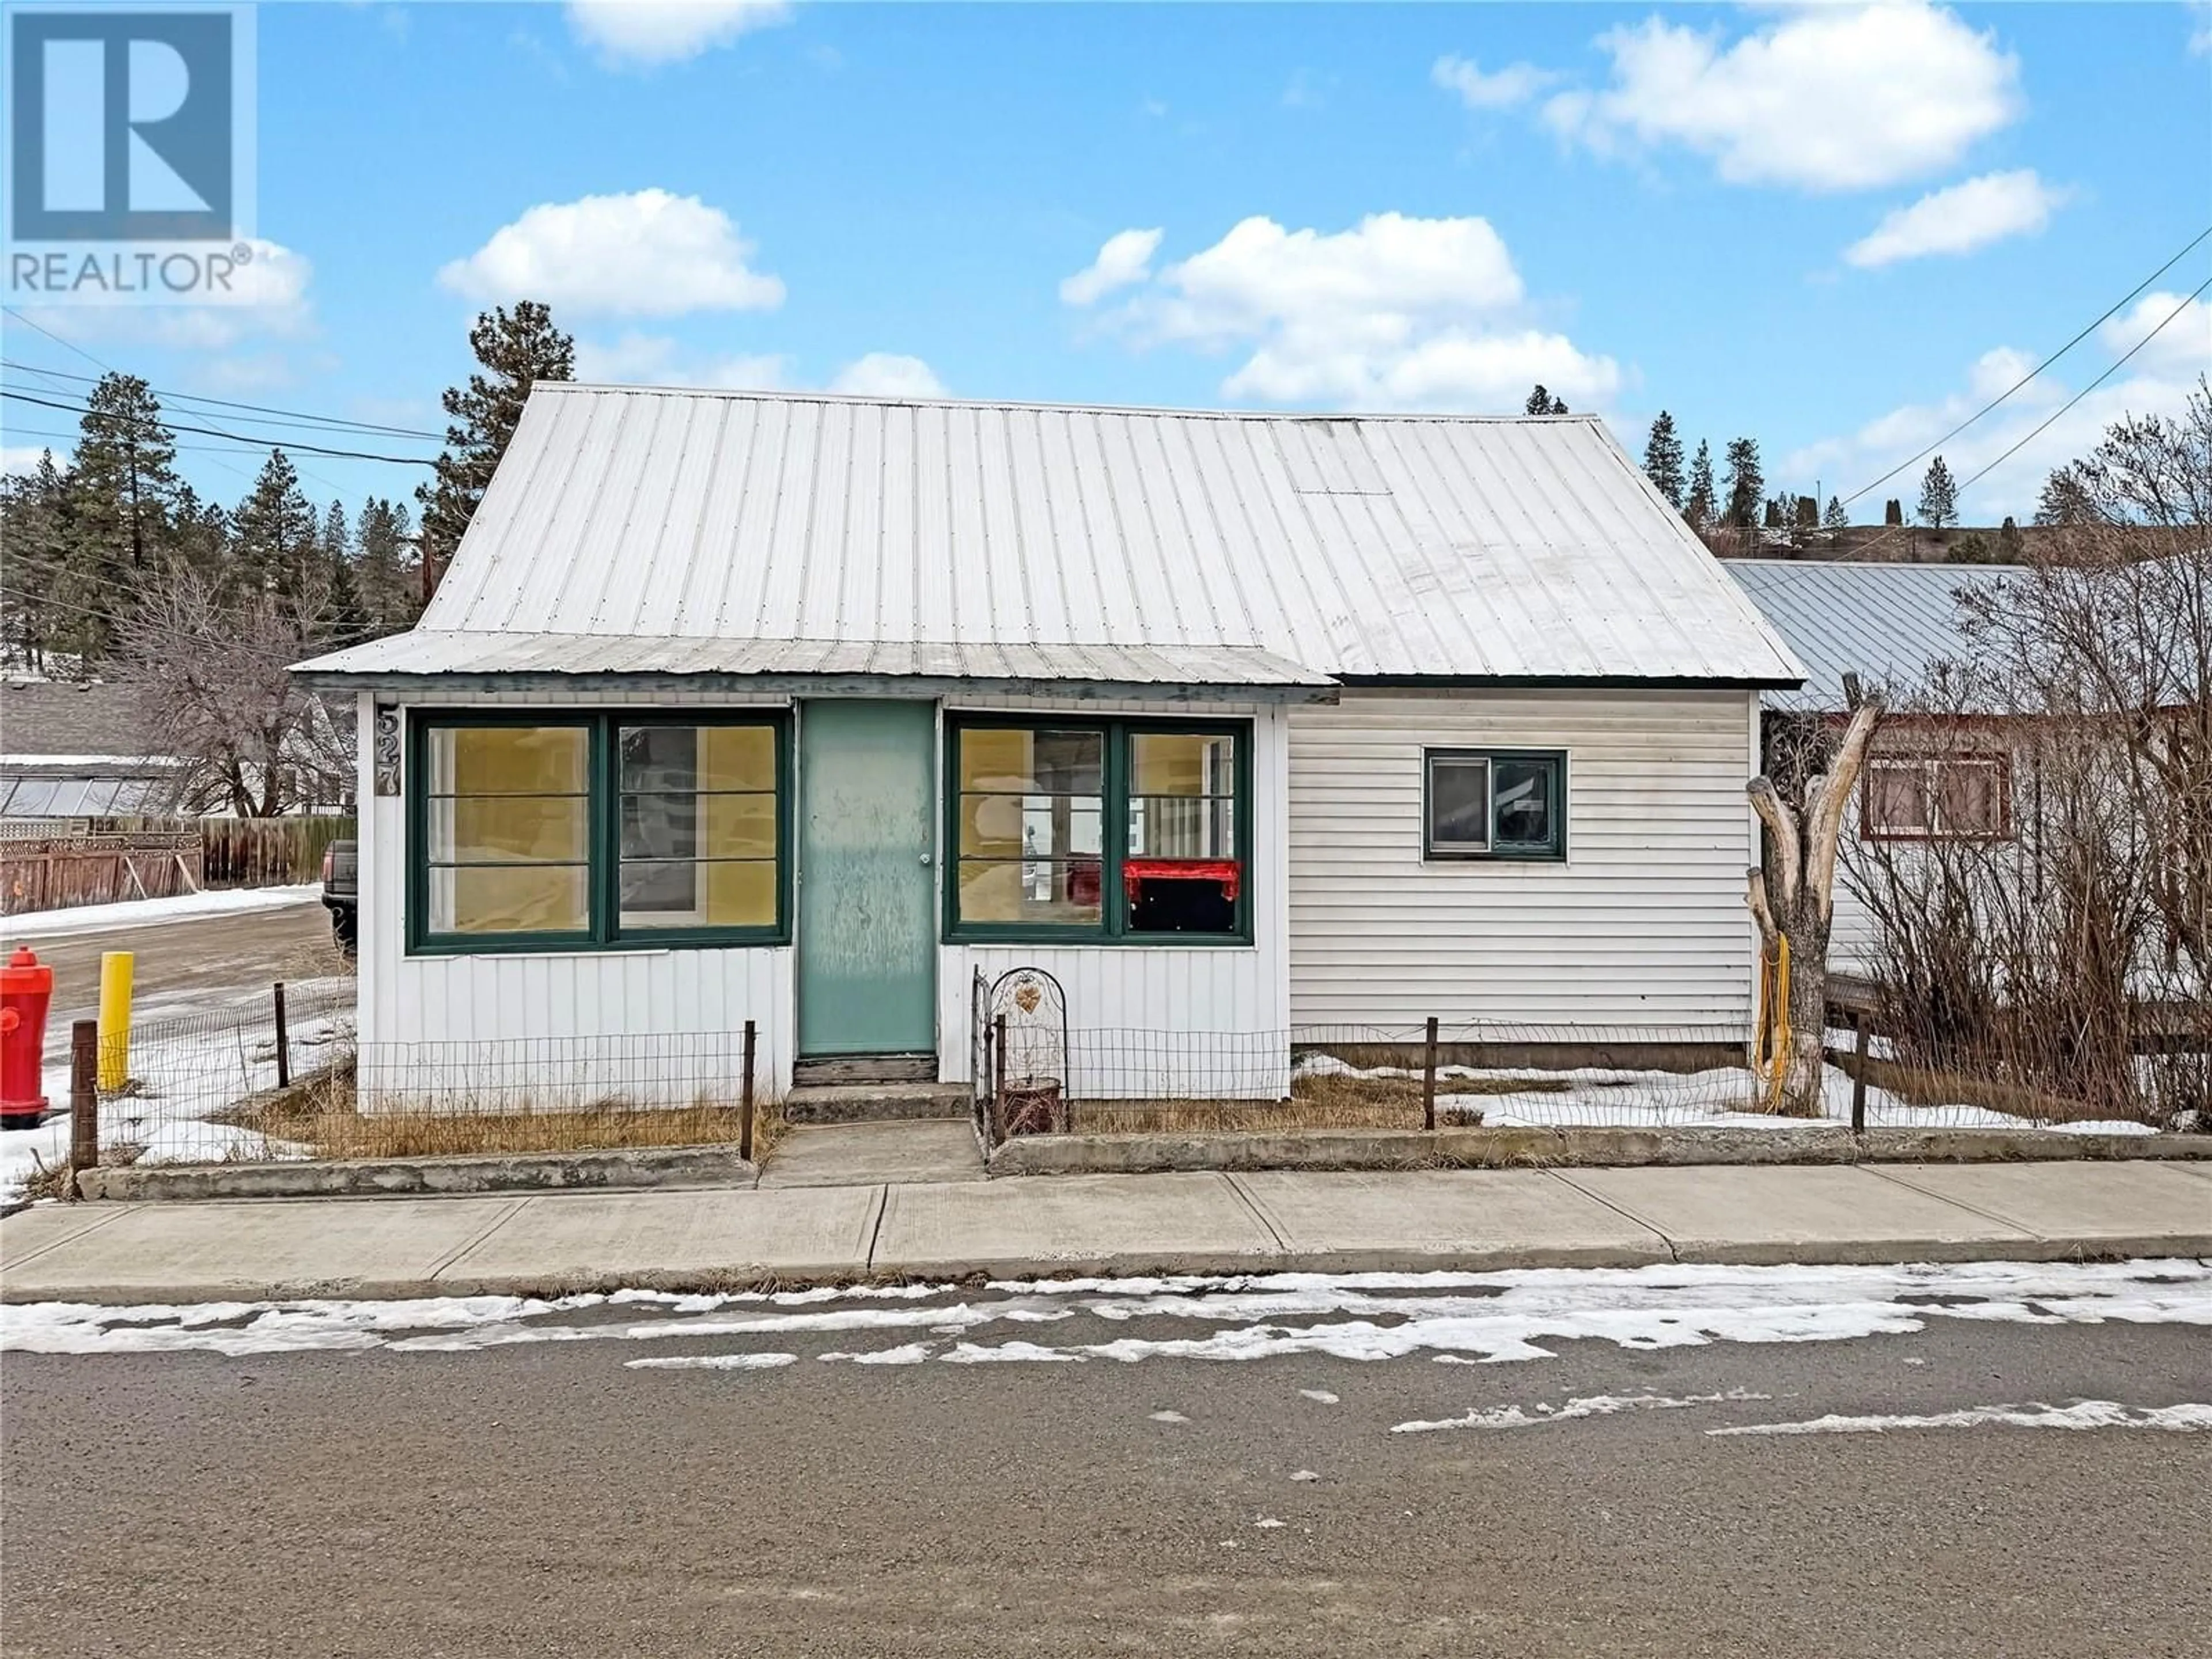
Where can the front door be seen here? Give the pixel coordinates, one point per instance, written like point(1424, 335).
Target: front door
point(867, 889)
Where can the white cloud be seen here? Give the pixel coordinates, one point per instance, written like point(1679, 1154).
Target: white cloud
point(1961, 218)
point(636, 359)
point(1126, 258)
point(1822, 97)
point(24, 457)
point(649, 31)
point(2157, 380)
point(1516, 83)
point(2200, 37)
point(887, 374)
point(1396, 313)
point(648, 253)
point(270, 301)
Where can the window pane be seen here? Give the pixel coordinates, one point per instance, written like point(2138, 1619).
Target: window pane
point(509, 829)
point(698, 757)
point(1897, 798)
point(514, 898)
point(1030, 890)
point(702, 893)
point(1523, 802)
point(509, 760)
point(1183, 763)
point(1458, 803)
point(1032, 826)
point(1010, 761)
point(1181, 904)
point(1170, 827)
point(1973, 801)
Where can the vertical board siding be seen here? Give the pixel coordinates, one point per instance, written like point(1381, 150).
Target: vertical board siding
point(513, 999)
point(1178, 1005)
point(1641, 930)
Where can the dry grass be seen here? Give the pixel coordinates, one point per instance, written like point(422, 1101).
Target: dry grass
point(322, 1117)
point(1318, 1100)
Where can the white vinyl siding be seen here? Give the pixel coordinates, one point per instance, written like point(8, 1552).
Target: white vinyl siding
point(1640, 931)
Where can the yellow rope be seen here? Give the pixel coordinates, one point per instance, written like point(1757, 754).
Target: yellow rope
point(1780, 1034)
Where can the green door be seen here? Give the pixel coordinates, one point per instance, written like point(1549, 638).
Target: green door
point(867, 934)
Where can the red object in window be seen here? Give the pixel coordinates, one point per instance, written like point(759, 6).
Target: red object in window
point(1136, 871)
point(1082, 882)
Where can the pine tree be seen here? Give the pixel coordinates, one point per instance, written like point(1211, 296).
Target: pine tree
point(1939, 496)
point(276, 547)
point(122, 483)
point(2065, 499)
point(2008, 540)
point(391, 592)
point(1541, 402)
point(1662, 459)
point(1892, 512)
point(1747, 482)
point(516, 350)
point(337, 539)
point(1809, 514)
point(38, 534)
point(1771, 516)
point(1835, 519)
point(1698, 506)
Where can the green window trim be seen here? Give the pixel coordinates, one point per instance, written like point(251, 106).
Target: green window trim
point(1493, 850)
point(1113, 926)
point(603, 790)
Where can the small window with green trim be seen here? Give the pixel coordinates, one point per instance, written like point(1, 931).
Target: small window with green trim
point(1494, 803)
point(1108, 830)
point(596, 830)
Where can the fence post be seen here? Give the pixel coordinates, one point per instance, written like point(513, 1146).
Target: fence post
point(997, 1065)
point(746, 1128)
point(1859, 1074)
point(283, 1039)
point(1429, 1079)
point(84, 1098)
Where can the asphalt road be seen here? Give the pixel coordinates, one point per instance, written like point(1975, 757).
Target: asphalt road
point(181, 965)
point(542, 1499)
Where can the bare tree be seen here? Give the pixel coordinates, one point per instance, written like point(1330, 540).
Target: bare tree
point(216, 690)
point(1793, 896)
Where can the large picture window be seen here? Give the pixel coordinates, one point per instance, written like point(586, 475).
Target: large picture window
point(1494, 803)
point(596, 830)
point(1102, 831)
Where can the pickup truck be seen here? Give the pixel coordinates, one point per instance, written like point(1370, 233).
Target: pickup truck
point(342, 891)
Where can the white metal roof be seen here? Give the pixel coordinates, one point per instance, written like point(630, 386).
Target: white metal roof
point(1353, 546)
point(1888, 624)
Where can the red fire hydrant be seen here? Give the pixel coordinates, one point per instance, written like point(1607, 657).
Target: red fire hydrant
point(27, 986)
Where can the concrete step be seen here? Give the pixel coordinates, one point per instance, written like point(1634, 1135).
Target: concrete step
point(874, 1102)
point(865, 1069)
point(875, 1154)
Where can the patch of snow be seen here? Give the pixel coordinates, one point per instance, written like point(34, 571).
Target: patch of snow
point(1320, 1396)
point(2085, 1414)
point(144, 913)
point(1303, 1475)
point(713, 1362)
point(1598, 1404)
point(1168, 1416)
point(1266, 1524)
point(907, 1353)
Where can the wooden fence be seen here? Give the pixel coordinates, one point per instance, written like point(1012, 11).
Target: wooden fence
point(154, 861)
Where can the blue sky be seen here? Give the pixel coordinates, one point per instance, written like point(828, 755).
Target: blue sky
point(1827, 228)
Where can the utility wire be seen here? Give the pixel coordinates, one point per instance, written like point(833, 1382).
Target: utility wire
point(2033, 373)
point(214, 432)
point(293, 417)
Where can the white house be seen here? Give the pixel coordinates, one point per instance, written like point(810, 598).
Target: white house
point(804, 709)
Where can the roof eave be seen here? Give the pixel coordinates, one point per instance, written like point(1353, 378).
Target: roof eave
point(584, 686)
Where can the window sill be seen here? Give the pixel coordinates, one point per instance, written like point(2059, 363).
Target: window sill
point(1104, 942)
point(429, 948)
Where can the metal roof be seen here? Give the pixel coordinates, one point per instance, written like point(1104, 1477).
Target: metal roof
point(1888, 623)
point(1354, 546)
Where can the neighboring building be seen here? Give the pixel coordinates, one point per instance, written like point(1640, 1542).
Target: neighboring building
point(72, 756)
point(805, 710)
point(1887, 627)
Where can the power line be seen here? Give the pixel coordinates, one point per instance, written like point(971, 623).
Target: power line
point(2033, 373)
point(78, 437)
point(215, 432)
point(293, 417)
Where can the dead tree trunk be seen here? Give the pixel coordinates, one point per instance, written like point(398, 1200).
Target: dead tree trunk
point(1793, 898)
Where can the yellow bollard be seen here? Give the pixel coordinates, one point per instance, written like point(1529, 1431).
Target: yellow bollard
point(114, 1020)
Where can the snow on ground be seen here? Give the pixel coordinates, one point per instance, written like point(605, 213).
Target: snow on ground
point(142, 913)
point(1462, 1318)
point(1596, 1097)
point(2083, 1414)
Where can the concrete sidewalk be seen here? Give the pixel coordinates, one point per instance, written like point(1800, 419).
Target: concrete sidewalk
point(1102, 1225)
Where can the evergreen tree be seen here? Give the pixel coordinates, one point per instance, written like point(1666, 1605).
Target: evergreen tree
point(1747, 482)
point(1541, 402)
point(1772, 517)
point(1809, 514)
point(1662, 459)
point(337, 538)
point(1835, 519)
point(2009, 541)
point(1939, 496)
point(1892, 512)
point(2066, 498)
point(391, 591)
point(1698, 506)
point(514, 351)
point(275, 544)
point(122, 483)
point(37, 532)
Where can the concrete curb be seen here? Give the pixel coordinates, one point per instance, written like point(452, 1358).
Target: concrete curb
point(486, 1172)
point(1619, 1148)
